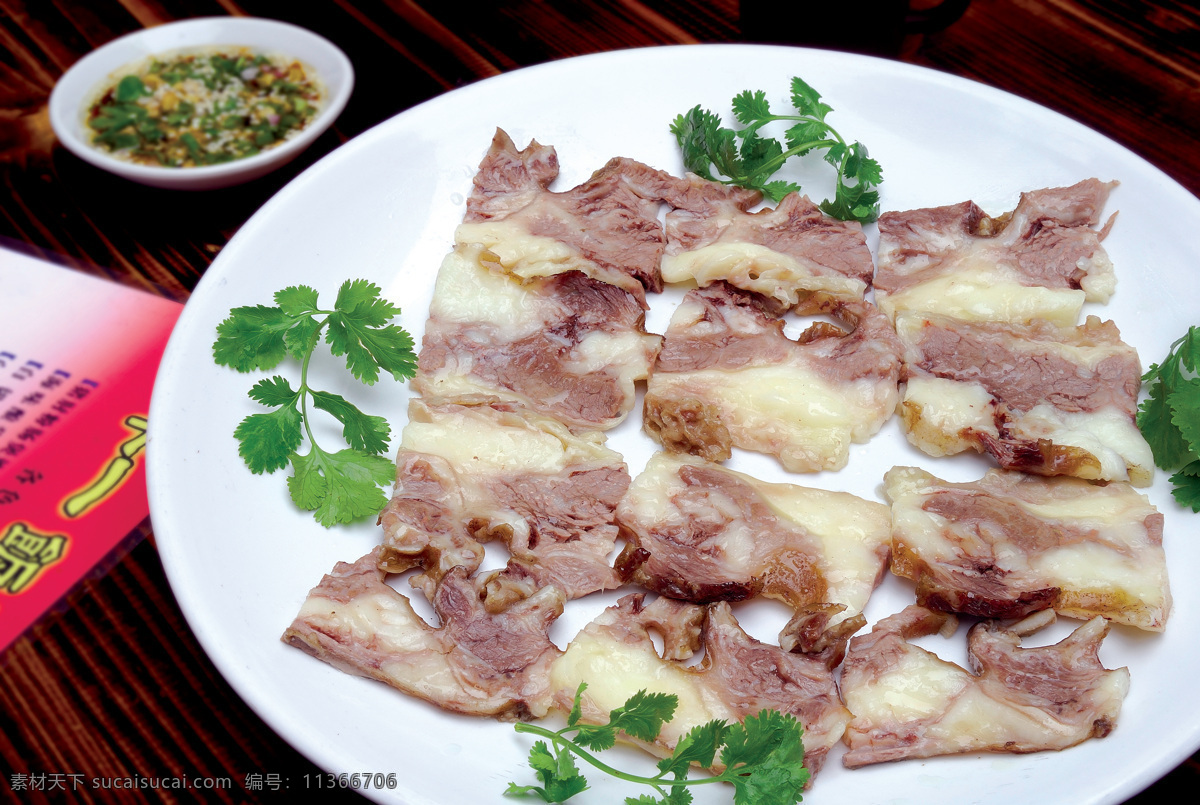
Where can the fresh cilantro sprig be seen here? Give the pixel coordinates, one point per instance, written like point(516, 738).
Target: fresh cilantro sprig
point(1169, 417)
point(341, 486)
point(763, 757)
point(747, 158)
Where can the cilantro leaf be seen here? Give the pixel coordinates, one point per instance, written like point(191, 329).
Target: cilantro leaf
point(644, 799)
point(757, 153)
point(343, 340)
point(679, 796)
point(778, 189)
point(750, 106)
point(341, 486)
point(699, 746)
point(1187, 349)
point(712, 151)
point(1154, 421)
point(692, 131)
point(1187, 486)
point(577, 706)
point(724, 152)
point(559, 775)
point(298, 340)
point(1184, 402)
point(861, 167)
point(297, 300)
point(807, 100)
point(1169, 417)
point(597, 737)
point(853, 196)
point(642, 716)
point(267, 441)
point(361, 431)
point(252, 338)
point(274, 391)
point(802, 136)
point(356, 293)
point(368, 347)
point(755, 737)
point(764, 755)
point(392, 348)
point(560, 778)
point(773, 784)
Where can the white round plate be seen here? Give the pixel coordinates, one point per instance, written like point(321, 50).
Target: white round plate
point(82, 84)
point(241, 558)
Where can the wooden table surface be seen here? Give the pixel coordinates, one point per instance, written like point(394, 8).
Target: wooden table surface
point(113, 683)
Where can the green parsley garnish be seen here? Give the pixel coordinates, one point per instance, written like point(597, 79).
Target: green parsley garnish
point(1170, 417)
point(763, 758)
point(750, 163)
point(338, 487)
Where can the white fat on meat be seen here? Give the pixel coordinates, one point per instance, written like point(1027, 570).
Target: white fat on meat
point(699, 532)
point(474, 661)
point(738, 676)
point(780, 253)
point(566, 346)
point(1041, 261)
point(467, 475)
point(1038, 398)
point(1010, 544)
point(607, 227)
point(909, 703)
point(728, 376)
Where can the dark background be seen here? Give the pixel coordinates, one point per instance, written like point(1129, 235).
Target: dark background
point(113, 683)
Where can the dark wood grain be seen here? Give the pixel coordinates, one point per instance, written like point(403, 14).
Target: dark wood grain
point(112, 683)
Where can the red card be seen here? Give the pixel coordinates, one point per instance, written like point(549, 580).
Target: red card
point(78, 356)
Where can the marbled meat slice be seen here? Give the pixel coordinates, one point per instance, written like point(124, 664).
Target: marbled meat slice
point(508, 179)
point(607, 227)
point(699, 532)
point(470, 474)
point(1039, 398)
point(1011, 543)
point(474, 662)
point(908, 703)
point(567, 346)
point(728, 376)
point(1041, 261)
point(780, 253)
point(738, 676)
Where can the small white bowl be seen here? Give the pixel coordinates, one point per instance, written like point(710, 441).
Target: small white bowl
point(81, 85)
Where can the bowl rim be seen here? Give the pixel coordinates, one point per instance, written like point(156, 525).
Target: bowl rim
point(86, 76)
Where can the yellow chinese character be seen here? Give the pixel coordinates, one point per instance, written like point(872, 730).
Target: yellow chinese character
point(25, 553)
point(113, 476)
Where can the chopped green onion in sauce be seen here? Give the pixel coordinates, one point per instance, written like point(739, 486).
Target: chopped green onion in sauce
point(192, 109)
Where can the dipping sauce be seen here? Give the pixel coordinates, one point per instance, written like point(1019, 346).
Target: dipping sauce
point(204, 108)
